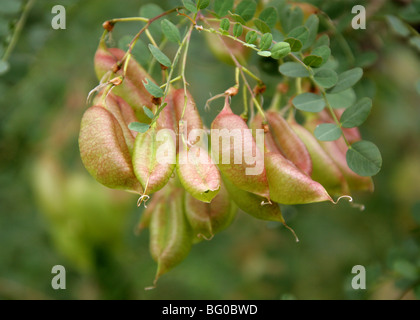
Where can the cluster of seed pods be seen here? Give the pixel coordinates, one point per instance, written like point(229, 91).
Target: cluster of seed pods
point(197, 194)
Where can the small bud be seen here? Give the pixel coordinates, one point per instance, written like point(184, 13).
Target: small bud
point(108, 26)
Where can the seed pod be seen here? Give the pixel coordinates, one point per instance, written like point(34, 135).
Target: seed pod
point(198, 174)
point(108, 65)
point(170, 233)
point(146, 216)
point(191, 120)
point(269, 142)
point(253, 204)
point(324, 170)
point(289, 143)
point(122, 112)
point(207, 219)
point(104, 151)
point(289, 185)
point(232, 156)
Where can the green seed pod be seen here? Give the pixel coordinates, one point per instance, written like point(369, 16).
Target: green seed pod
point(207, 219)
point(233, 154)
point(198, 174)
point(289, 143)
point(324, 170)
point(289, 185)
point(170, 233)
point(104, 151)
point(108, 65)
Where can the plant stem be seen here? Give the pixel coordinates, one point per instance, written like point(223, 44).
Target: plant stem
point(184, 64)
point(18, 30)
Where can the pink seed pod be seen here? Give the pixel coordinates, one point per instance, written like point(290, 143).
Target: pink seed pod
point(291, 146)
point(324, 169)
point(104, 151)
point(108, 65)
point(232, 154)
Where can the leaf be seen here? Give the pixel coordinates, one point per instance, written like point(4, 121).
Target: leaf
point(225, 24)
point(327, 132)
point(202, 4)
point(310, 102)
point(398, 26)
point(153, 89)
point(312, 61)
point(170, 31)
point(356, 114)
point(264, 53)
point(237, 30)
point(222, 7)
point(293, 70)
point(148, 112)
point(324, 52)
point(326, 78)
point(300, 33)
point(159, 56)
point(262, 26)
point(344, 99)
point(238, 18)
point(190, 5)
point(291, 18)
point(415, 42)
point(347, 79)
point(4, 67)
point(246, 9)
point(323, 40)
point(269, 16)
point(139, 127)
point(295, 44)
point(265, 42)
point(364, 158)
point(251, 37)
point(312, 24)
point(280, 50)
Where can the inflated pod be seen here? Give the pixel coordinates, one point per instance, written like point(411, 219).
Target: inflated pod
point(154, 155)
point(170, 233)
point(198, 174)
point(324, 169)
point(289, 142)
point(104, 151)
point(252, 204)
point(191, 119)
point(269, 142)
point(289, 185)
point(149, 210)
point(122, 112)
point(131, 89)
point(207, 219)
point(237, 155)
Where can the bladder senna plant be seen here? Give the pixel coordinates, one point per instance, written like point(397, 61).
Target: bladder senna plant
point(145, 133)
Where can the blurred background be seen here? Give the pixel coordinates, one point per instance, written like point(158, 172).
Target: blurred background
point(52, 212)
